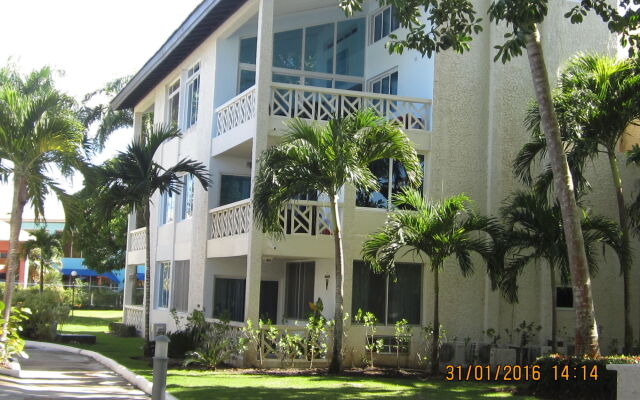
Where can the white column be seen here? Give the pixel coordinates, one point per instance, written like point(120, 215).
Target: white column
point(264, 59)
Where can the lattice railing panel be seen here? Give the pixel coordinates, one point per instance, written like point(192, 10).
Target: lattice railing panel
point(137, 240)
point(134, 316)
point(321, 104)
point(239, 110)
point(230, 220)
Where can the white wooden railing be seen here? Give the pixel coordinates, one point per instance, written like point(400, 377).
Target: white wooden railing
point(307, 218)
point(231, 219)
point(236, 111)
point(298, 218)
point(322, 104)
point(133, 315)
point(137, 240)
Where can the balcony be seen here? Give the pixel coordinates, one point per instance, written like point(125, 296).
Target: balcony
point(314, 103)
point(301, 220)
point(136, 246)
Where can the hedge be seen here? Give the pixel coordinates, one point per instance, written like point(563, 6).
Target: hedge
point(564, 377)
point(122, 330)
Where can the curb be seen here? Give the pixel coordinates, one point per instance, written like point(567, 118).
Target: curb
point(136, 380)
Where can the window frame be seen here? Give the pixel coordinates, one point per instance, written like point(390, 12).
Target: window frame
point(372, 24)
point(213, 297)
point(236, 175)
point(188, 182)
point(389, 194)
point(171, 93)
point(385, 321)
point(303, 74)
point(192, 77)
point(380, 77)
point(160, 278)
point(174, 287)
point(167, 212)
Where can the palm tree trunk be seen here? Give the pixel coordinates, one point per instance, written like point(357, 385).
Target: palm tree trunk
point(336, 359)
point(625, 262)
point(586, 332)
point(147, 278)
point(554, 312)
point(41, 276)
point(435, 340)
point(17, 207)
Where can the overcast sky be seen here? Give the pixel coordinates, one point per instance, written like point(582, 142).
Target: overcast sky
point(92, 41)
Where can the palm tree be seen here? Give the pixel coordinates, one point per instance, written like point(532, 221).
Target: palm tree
point(633, 157)
point(535, 232)
point(131, 179)
point(325, 158)
point(38, 130)
point(45, 249)
point(437, 230)
point(597, 99)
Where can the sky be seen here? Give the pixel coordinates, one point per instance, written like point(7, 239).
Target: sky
point(93, 42)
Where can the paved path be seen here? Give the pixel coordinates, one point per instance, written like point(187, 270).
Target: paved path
point(61, 375)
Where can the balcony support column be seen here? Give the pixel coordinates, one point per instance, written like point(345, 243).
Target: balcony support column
point(264, 58)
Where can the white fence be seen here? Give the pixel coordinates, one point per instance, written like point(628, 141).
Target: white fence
point(236, 111)
point(134, 315)
point(322, 104)
point(231, 219)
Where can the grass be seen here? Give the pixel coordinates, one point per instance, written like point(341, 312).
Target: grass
point(190, 384)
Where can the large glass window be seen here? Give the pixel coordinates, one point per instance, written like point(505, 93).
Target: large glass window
point(389, 300)
point(193, 93)
point(234, 188)
point(299, 289)
point(386, 83)
point(392, 177)
point(163, 282)
point(180, 287)
point(186, 206)
point(173, 102)
point(228, 299)
point(332, 56)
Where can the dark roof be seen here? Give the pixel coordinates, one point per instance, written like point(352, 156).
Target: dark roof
point(198, 26)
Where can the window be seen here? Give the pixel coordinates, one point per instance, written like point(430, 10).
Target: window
point(173, 102)
point(383, 23)
point(390, 301)
point(234, 188)
point(564, 297)
point(180, 286)
point(386, 83)
point(186, 206)
point(166, 208)
point(329, 55)
point(392, 177)
point(299, 289)
point(162, 284)
point(228, 299)
point(193, 91)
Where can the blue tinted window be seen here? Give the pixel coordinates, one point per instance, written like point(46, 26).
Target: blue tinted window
point(248, 50)
point(247, 79)
point(287, 49)
point(350, 47)
point(319, 49)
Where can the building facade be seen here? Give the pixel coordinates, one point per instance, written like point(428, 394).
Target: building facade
point(235, 71)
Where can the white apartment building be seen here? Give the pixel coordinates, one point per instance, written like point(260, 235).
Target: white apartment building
point(235, 70)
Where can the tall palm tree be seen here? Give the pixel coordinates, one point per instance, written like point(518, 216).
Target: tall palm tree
point(597, 99)
point(45, 249)
point(325, 158)
point(132, 178)
point(38, 131)
point(633, 157)
point(436, 230)
point(535, 232)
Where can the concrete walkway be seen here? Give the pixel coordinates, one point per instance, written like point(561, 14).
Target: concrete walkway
point(61, 375)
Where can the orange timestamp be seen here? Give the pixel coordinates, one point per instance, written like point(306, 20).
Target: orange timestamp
point(493, 373)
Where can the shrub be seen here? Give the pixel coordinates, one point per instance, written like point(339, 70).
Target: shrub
point(218, 346)
point(14, 344)
point(369, 320)
point(564, 377)
point(48, 309)
point(191, 337)
point(122, 330)
point(290, 347)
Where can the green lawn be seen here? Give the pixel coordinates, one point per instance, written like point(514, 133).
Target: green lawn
point(188, 384)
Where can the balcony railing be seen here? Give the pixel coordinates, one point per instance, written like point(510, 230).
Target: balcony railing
point(321, 104)
point(133, 315)
point(236, 111)
point(297, 218)
point(231, 219)
point(137, 240)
